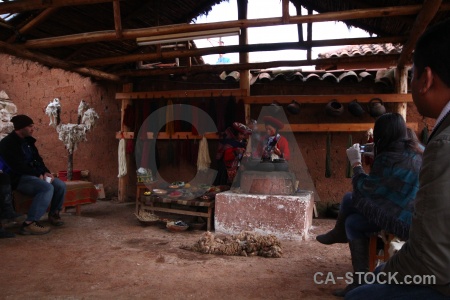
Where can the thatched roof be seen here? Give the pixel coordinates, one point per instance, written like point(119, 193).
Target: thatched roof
point(97, 38)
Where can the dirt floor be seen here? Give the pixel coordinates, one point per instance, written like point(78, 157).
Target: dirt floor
point(107, 254)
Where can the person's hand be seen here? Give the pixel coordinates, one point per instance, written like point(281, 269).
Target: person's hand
point(353, 154)
point(277, 151)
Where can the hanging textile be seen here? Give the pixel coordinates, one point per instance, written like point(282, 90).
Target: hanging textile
point(203, 160)
point(122, 158)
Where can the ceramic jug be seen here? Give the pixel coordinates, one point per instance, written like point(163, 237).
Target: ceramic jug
point(355, 108)
point(293, 107)
point(334, 108)
point(376, 107)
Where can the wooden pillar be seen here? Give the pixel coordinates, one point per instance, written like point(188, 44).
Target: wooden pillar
point(244, 80)
point(124, 180)
point(401, 87)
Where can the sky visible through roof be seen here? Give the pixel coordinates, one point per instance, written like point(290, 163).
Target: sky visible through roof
point(259, 9)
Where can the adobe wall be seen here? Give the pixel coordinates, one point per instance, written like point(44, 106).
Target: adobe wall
point(31, 86)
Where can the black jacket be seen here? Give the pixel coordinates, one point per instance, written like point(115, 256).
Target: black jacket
point(13, 150)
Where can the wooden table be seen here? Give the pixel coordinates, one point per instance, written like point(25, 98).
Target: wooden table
point(141, 188)
point(153, 204)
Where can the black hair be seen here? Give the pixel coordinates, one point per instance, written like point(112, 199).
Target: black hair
point(432, 50)
point(390, 131)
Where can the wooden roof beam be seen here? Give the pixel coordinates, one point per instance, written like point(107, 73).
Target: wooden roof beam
point(110, 35)
point(26, 5)
point(55, 63)
point(235, 48)
point(117, 19)
point(385, 58)
point(34, 22)
point(426, 14)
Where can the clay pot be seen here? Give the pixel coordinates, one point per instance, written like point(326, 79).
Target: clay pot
point(334, 108)
point(376, 107)
point(355, 108)
point(293, 107)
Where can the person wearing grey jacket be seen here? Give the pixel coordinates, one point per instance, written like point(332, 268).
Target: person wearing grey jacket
point(421, 268)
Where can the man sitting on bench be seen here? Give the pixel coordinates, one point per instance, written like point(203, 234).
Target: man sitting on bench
point(31, 177)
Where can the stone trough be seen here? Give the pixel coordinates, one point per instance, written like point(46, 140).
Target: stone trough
point(266, 204)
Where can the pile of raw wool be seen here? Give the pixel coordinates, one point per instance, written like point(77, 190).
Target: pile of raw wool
point(246, 243)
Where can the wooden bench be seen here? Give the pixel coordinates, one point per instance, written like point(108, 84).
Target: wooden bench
point(77, 193)
point(154, 204)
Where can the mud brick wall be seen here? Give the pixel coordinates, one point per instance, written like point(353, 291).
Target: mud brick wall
point(31, 86)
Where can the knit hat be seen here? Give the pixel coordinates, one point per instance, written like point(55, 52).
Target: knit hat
point(21, 121)
point(239, 127)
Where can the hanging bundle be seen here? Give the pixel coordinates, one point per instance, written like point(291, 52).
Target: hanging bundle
point(122, 158)
point(328, 157)
point(349, 170)
point(424, 135)
point(203, 160)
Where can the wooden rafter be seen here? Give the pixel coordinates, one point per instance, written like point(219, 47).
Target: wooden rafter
point(25, 5)
point(117, 19)
point(34, 22)
point(110, 35)
point(235, 48)
point(426, 14)
point(385, 58)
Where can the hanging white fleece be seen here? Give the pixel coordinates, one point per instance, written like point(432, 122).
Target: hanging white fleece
point(203, 160)
point(122, 159)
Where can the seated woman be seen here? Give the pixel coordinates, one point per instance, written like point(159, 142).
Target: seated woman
point(382, 199)
point(273, 145)
point(230, 152)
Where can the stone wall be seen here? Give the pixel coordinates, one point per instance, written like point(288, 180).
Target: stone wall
point(31, 86)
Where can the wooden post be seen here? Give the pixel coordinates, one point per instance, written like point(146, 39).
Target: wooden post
point(124, 180)
point(401, 87)
point(244, 81)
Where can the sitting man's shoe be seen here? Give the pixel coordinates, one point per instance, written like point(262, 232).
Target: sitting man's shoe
point(55, 219)
point(34, 228)
point(6, 234)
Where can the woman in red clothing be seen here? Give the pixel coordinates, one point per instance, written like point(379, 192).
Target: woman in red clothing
point(230, 152)
point(273, 145)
